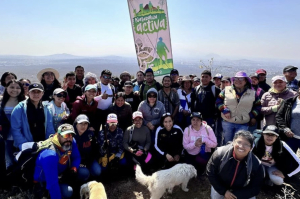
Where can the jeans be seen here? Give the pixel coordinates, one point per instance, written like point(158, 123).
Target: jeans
point(294, 144)
point(230, 129)
point(215, 195)
point(275, 179)
point(9, 150)
point(94, 169)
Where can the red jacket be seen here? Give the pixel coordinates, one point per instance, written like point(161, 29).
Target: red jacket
point(80, 106)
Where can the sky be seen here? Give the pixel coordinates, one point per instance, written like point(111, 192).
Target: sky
point(229, 28)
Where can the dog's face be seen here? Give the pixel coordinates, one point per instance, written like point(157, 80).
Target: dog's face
point(84, 191)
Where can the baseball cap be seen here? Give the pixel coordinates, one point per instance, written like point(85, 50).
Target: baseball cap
point(206, 72)
point(58, 90)
point(82, 118)
point(271, 129)
point(289, 68)
point(128, 83)
point(261, 71)
point(112, 118)
point(137, 114)
point(149, 70)
point(65, 129)
point(196, 114)
point(196, 79)
point(278, 77)
point(226, 79)
point(89, 87)
point(174, 71)
point(218, 75)
point(36, 86)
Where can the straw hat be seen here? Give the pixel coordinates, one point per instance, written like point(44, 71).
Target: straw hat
point(55, 72)
point(186, 78)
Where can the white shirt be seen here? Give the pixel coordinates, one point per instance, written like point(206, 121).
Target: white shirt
point(103, 104)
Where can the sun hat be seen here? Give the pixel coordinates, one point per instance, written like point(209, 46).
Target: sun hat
point(90, 86)
point(112, 118)
point(82, 118)
point(137, 114)
point(40, 74)
point(278, 77)
point(36, 86)
point(271, 129)
point(65, 129)
point(186, 78)
point(241, 74)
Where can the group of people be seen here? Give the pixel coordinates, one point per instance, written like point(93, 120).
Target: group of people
point(239, 130)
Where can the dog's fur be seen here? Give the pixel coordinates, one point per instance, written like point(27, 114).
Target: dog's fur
point(166, 179)
point(92, 190)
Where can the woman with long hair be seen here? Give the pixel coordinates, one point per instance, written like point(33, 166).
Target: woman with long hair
point(13, 94)
point(5, 78)
point(25, 82)
point(49, 79)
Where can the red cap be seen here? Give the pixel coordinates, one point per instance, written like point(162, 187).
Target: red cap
point(260, 71)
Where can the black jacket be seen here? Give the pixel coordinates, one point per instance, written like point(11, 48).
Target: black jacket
point(4, 124)
point(285, 159)
point(283, 116)
point(221, 169)
point(263, 85)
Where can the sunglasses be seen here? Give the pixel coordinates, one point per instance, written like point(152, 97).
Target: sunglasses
point(61, 95)
point(112, 124)
point(67, 135)
point(106, 77)
point(152, 96)
point(25, 84)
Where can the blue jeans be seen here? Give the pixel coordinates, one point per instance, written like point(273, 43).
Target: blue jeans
point(294, 144)
point(84, 172)
point(230, 129)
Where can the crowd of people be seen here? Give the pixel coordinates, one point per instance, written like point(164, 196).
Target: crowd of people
point(238, 130)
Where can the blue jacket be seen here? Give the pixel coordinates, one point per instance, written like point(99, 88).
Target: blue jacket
point(20, 127)
point(48, 168)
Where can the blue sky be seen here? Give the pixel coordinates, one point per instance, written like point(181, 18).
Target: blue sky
point(230, 28)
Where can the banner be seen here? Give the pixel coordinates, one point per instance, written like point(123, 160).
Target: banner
point(151, 33)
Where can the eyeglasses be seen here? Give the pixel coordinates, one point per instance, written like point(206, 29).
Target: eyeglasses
point(239, 78)
point(61, 95)
point(106, 77)
point(112, 124)
point(152, 96)
point(269, 134)
point(25, 84)
point(166, 114)
point(69, 135)
point(240, 143)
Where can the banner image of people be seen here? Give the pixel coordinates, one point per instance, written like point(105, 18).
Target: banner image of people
point(150, 26)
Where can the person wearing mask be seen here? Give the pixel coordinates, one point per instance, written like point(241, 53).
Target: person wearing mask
point(105, 98)
point(234, 171)
point(290, 73)
point(168, 142)
point(152, 111)
point(130, 98)
point(169, 98)
point(262, 74)
point(71, 88)
point(239, 105)
point(277, 157)
point(5, 78)
point(149, 83)
point(174, 74)
point(198, 140)
point(203, 99)
point(58, 108)
point(13, 95)
point(87, 147)
point(272, 99)
point(31, 121)
point(86, 104)
point(49, 79)
point(79, 71)
point(184, 93)
point(217, 79)
point(225, 81)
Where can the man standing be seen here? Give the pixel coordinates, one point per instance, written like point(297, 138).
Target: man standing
point(79, 70)
point(60, 157)
point(149, 83)
point(72, 89)
point(290, 73)
point(132, 99)
point(168, 97)
point(125, 76)
point(106, 97)
point(262, 74)
point(174, 75)
point(203, 99)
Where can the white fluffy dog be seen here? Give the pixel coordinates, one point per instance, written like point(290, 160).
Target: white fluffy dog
point(166, 179)
point(92, 190)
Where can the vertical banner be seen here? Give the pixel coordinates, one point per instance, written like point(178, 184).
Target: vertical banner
point(151, 33)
